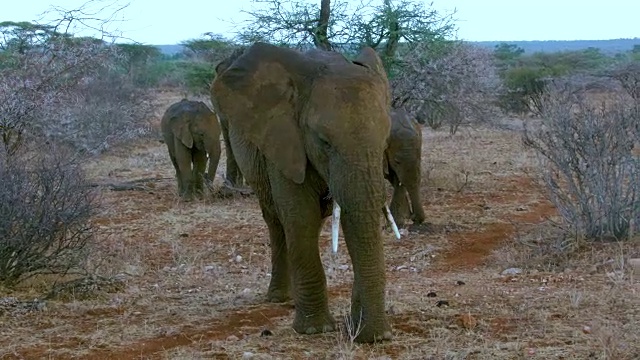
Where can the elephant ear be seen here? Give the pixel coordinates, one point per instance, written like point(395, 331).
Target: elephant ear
point(181, 131)
point(258, 96)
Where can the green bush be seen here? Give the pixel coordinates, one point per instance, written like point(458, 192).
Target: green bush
point(198, 76)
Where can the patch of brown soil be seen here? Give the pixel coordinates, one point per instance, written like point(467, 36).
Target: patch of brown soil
point(470, 248)
point(236, 323)
point(500, 326)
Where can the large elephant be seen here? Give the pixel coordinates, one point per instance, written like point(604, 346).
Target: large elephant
point(191, 131)
point(308, 129)
point(403, 159)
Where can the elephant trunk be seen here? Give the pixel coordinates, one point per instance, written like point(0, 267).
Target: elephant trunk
point(359, 192)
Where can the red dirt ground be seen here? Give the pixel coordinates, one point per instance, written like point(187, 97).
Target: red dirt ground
point(153, 230)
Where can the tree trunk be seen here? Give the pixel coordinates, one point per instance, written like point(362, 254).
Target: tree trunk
point(394, 37)
point(320, 38)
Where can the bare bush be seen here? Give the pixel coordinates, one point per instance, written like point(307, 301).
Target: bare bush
point(457, 88)
point(588, 161)
point(55, 90)
point(628, 76)
point(56, 86)
point(108, 110)
point(45, 207)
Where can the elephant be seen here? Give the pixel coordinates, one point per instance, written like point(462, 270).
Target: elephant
point(309, 129)
point(191, 131)
point(233, 175)
point(403, 167)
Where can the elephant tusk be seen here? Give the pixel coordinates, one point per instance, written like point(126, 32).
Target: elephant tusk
point(387, 213)
point(335, 227)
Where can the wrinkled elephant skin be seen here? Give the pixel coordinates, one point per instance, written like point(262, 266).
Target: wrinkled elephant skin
point(307, 129)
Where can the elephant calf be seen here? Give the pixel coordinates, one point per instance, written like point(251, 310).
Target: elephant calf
point(403, 157)
point(191, 131)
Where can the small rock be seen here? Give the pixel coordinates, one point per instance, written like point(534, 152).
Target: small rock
point(586, 329)
point(184, 235)
point(343, 267)
point(232, 338)
point(521, 208)
point(238, 259)
point(133, 270)
point(432, 294)
point(460, 282)
point(512, 271)
point(209, 268)
point(266, 332)
point(635, 264)
point(442, 303)
point(247, 355)
point(171, 332)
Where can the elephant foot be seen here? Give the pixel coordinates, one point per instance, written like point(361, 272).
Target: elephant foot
point(367, 332)
point(418, 219)
point(313, 323)
point(278, 296)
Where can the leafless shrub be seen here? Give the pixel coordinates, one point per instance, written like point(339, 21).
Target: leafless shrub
point(457, 88)
point(108, 110)
point(588, 161)
point(51, 83)
point(45, 207)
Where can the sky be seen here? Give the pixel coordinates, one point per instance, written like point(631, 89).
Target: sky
point(149, 22)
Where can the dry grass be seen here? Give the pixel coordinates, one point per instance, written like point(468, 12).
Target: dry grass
point(195, 274)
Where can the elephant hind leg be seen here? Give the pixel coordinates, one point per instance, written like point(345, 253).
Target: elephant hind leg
point(183, 160)
point(199, 159)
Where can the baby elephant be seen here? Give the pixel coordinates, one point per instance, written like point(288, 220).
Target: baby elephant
point(403, 170)
point(191, 132)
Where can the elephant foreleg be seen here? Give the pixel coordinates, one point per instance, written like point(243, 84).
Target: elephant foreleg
point(280, 279)
point(399, 205)
point(417, 211)
point(233, 175)
point(299, 211)
point(214, 158)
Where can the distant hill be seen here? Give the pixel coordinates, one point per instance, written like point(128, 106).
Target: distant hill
point(606, 46)
point(170, 49)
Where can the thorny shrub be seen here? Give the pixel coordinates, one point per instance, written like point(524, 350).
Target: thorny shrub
point(589, 161)
point(45, 208)
point(456, 88)
point(69, 90)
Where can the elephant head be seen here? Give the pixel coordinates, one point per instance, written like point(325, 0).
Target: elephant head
point(305, 127)
point(403, 159)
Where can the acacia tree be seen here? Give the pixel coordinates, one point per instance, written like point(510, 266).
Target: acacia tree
point(204, 53)
point(432, 75)
point(385, 26)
